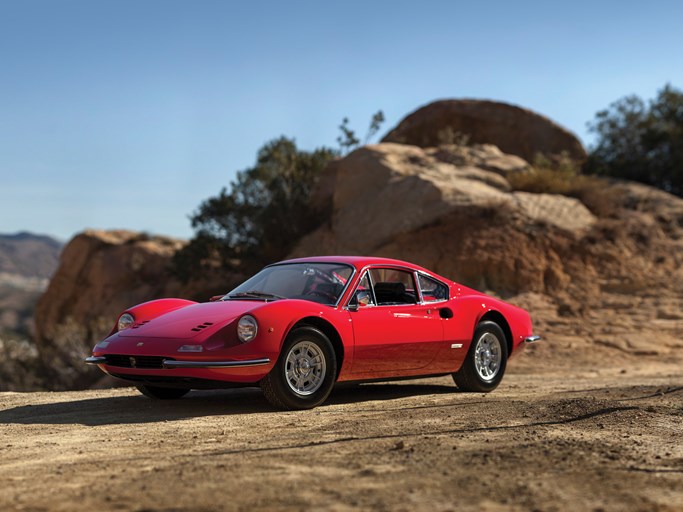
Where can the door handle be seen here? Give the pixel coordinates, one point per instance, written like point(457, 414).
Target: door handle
point(446, 313)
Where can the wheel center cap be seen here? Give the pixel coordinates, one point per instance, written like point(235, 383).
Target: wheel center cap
point(304, 364)
point(486, 356)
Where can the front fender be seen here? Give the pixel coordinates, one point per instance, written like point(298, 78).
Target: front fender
point(152, 309)
point(279, 318)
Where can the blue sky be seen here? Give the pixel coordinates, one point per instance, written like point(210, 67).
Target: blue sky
point(128, 113)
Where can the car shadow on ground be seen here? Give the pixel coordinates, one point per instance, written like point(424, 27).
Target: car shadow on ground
point(241, 401)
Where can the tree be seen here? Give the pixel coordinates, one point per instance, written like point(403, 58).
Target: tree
point(264, 214)
point(641, 141)
point(348, 141)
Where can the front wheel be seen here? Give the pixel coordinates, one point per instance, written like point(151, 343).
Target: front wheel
point(162, 393)
point(486, 360)
point(305, 372)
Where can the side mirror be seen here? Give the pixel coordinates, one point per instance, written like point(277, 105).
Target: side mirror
point(363, 299)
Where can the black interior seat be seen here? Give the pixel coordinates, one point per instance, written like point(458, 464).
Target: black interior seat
point(391, 293)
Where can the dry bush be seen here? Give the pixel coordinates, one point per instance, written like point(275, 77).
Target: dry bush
point(563, 176)
point(20, 367)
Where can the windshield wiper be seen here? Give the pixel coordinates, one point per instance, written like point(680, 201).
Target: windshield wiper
point(254, 294)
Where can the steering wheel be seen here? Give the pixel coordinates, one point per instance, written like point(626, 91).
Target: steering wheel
point(326, 295)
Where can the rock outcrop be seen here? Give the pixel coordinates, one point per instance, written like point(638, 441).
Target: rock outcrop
point(515, 130)
point(598, 274)
point(465, 222)
point(599, 270)
point(100, 274)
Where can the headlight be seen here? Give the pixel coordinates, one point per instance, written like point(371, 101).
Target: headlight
point(247, 328)
point(125, 321)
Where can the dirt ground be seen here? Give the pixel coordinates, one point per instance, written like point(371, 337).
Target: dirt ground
point(601, 440)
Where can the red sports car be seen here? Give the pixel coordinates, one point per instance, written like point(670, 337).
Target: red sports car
point(299, 326)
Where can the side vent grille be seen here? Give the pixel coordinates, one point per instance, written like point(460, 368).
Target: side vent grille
point(201, 327)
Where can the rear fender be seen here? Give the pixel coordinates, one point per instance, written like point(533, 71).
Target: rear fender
point(469, 310)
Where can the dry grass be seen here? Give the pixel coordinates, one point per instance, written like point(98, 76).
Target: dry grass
point(563, 176)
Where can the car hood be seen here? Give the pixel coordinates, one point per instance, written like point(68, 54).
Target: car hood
point(193, 320)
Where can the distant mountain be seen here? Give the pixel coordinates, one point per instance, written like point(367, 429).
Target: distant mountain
point(29, 255)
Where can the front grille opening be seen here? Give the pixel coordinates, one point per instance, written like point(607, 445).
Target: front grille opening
point(126, 361)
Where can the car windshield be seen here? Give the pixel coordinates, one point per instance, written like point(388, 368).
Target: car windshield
point(318, 282)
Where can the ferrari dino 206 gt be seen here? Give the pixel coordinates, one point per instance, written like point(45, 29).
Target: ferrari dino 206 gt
point(298, 326)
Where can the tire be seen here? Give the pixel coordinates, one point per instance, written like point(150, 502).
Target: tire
point(305, 372)
point(486, 360)
point(162, 393)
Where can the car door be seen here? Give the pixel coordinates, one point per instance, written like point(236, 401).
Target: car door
point(394, 332)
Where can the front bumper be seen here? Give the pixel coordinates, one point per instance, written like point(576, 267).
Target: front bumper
point(173, 363)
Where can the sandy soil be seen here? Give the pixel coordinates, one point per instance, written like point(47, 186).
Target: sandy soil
point(599, 440)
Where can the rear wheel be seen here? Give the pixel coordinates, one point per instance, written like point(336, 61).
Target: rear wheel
point(486, 360)
point(160, 393)
point(305, 372)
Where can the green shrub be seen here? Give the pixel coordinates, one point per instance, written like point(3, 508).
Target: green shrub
point(641, 141)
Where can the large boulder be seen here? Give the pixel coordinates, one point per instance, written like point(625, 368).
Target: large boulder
point(515, 130)
point(100, 274)
point(459, 217)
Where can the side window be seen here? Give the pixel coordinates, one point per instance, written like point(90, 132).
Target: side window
point(363, 294)
point(393, 286)
point(432, 290)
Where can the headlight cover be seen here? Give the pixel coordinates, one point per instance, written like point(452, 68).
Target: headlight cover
point(247, 327)
point(125, 321)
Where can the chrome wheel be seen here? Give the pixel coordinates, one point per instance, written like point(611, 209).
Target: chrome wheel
point(305, 368)
point(487, 356)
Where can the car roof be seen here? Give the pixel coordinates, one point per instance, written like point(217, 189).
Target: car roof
point(357, 261)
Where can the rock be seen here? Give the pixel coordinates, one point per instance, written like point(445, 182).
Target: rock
point(483, 156)
point(397, 176)
point(567, 213)
point(100, 274)
point(597, 286)
point(515, 130)
point(436, 207)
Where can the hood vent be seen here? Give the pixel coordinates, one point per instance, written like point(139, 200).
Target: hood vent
point(201, 327)
point(135, 326)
